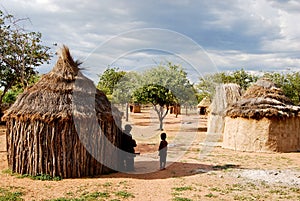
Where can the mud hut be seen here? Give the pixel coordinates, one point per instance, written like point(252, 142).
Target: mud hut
point(226, 94)
point(264, 120)
point(63, 126)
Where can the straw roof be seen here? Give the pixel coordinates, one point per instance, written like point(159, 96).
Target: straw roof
point(205, 102)
point(60, 95)
point(263, 99)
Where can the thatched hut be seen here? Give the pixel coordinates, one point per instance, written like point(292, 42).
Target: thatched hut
point(226, 94)
point(204, 105)
point(263, 120)
point(63, 126)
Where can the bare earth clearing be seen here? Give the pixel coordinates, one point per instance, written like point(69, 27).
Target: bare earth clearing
point(195, 170)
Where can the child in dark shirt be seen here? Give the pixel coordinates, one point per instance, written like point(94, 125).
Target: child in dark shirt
point(163, 148)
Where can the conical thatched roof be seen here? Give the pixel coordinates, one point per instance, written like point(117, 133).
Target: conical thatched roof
point(60, 95)
point(263, 99)
point(205, 102)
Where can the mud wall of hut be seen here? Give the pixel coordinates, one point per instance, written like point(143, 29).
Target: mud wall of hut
point(285, 133)
point(264, 135)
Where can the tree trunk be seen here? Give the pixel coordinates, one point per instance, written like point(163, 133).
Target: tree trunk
point(161, 124)
point(161, 115)
point(127, 108)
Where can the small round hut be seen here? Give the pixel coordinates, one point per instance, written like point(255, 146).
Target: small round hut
point(263, 120)
point(204, 105)
point(63, 126)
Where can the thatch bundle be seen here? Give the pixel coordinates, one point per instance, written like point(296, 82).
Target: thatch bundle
point(263, 99)
point(226, 94)
point(63, 126)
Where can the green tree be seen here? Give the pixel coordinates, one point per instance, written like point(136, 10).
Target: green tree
point(124, 89)
point(289, 83)
point(208, 83)
point(21, 52)
point(242, 78)
point(108, 80)
point(159, 96)
point(11, 95)
point(165, 85)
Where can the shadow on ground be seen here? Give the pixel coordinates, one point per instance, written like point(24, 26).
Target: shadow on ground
point(176, 169)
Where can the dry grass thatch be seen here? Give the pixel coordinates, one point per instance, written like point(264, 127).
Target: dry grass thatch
point(52, 98)
point(63, 125)
point(205, 102)
point(226, 94)
point(263, 99)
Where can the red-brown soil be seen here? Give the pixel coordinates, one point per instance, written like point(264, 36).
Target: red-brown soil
point(202, 173)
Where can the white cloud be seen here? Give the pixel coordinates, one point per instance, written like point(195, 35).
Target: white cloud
point(260, 62)
point(254, 34)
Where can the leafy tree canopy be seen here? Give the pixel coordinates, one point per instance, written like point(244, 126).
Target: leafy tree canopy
point(173, 78)
point(108, 80)
point(124, 89)
point(165, 85)
point(289, 83)
point(21, 52)
point(154, 94)
point(208, 83)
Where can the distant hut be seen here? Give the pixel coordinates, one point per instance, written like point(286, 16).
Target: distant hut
point(203, 106)
point(175, 108)
point(263, 120)
point(63, 126)
point(135, 108)
point(226, 94)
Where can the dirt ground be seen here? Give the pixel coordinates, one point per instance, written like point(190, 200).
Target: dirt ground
point(198, 169)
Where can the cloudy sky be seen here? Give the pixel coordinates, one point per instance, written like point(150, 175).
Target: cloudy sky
point(208, 35)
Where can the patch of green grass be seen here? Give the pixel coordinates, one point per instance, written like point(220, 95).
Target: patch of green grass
point(181, 199)
point(42, 177)
point(7, 171)
point(69, 193)
point(243, 198)
point(107, 184)
point(7, 195)
point(264, 184)
point(236, 187)
point(85, 197)
point(210, 195)
point(124, 194)
point(252, 186)
point(96, 195)
point(216, 189)
point(295, 190)
point(123, 182)
point(183, 188)
point(278, 191)
point(66, 199)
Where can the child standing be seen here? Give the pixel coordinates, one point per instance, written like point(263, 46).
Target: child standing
point(163, 148)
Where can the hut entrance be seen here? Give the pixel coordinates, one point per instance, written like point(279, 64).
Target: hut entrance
point(203, 106)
